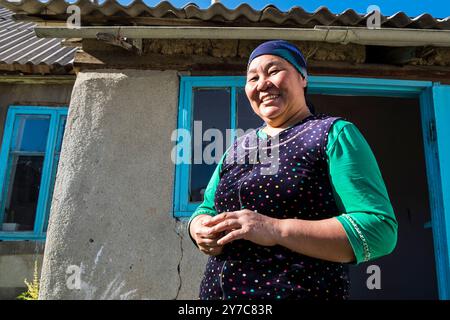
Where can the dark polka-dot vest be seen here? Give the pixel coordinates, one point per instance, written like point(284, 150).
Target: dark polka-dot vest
point(297, 187)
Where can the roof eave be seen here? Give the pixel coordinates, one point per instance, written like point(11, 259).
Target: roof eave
point(384, 36)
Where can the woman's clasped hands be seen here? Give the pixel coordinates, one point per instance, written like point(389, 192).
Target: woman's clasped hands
point(212, 233)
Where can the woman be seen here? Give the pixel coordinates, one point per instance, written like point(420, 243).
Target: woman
point(290, 234)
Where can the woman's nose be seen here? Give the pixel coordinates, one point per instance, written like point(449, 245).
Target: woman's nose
point(263, 84)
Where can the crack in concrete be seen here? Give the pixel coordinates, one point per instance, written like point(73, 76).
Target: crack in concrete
point(180, 235)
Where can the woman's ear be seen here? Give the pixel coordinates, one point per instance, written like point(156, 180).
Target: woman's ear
point(305, 82)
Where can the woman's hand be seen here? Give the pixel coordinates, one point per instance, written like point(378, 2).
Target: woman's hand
point(244, 224)
point(206, 240)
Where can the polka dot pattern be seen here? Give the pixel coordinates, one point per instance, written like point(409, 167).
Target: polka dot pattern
point(301, 189)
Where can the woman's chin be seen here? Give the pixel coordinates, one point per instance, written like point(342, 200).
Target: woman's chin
point(270, 112)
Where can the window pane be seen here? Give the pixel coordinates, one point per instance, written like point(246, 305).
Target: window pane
point(23, 192)
point(62, 126)
point(246, 118)
point(212, 108)
point(30, 133)
point(50, 194)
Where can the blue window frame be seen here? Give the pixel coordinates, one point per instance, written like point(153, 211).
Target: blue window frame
point(188, 86)
point(29, 158)
point(435, 113)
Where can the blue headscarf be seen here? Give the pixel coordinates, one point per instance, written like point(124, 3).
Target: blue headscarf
point(283, 49)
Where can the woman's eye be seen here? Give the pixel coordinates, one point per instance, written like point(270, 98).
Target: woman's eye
point(273, 71)
point(252, 79)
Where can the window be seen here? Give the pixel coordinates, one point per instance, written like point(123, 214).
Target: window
point(28, 162)
point(208, 103)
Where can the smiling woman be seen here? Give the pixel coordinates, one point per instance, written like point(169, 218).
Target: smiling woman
point(274, 88)
point(273, 91)
point(288, 235)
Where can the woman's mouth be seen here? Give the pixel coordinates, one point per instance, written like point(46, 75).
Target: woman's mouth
point(270, 98)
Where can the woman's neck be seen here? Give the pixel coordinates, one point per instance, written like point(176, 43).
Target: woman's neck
point(273, 128)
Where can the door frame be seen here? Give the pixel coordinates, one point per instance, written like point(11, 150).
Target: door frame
point(435, 118)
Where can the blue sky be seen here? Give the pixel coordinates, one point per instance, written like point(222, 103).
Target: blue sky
point(413, 8)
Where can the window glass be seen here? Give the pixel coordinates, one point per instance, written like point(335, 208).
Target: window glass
point(211, 110)
point(25, 178)
point(25, 161)
point(246, 117)
point(30, 133)
point(61, 128)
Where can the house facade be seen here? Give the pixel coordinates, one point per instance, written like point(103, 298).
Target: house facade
point(36, 80)
point(120, 189)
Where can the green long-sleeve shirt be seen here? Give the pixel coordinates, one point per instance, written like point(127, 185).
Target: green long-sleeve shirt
point(361, 196)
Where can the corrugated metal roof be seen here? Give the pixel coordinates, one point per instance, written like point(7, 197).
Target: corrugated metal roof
point(218, 13)
point(19, 45)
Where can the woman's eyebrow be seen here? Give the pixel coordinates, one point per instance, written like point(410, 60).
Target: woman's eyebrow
point(273, 63)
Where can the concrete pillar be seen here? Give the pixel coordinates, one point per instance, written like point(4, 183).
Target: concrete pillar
point(111, 217)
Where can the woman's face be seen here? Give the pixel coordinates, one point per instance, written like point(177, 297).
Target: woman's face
point(275, 89)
